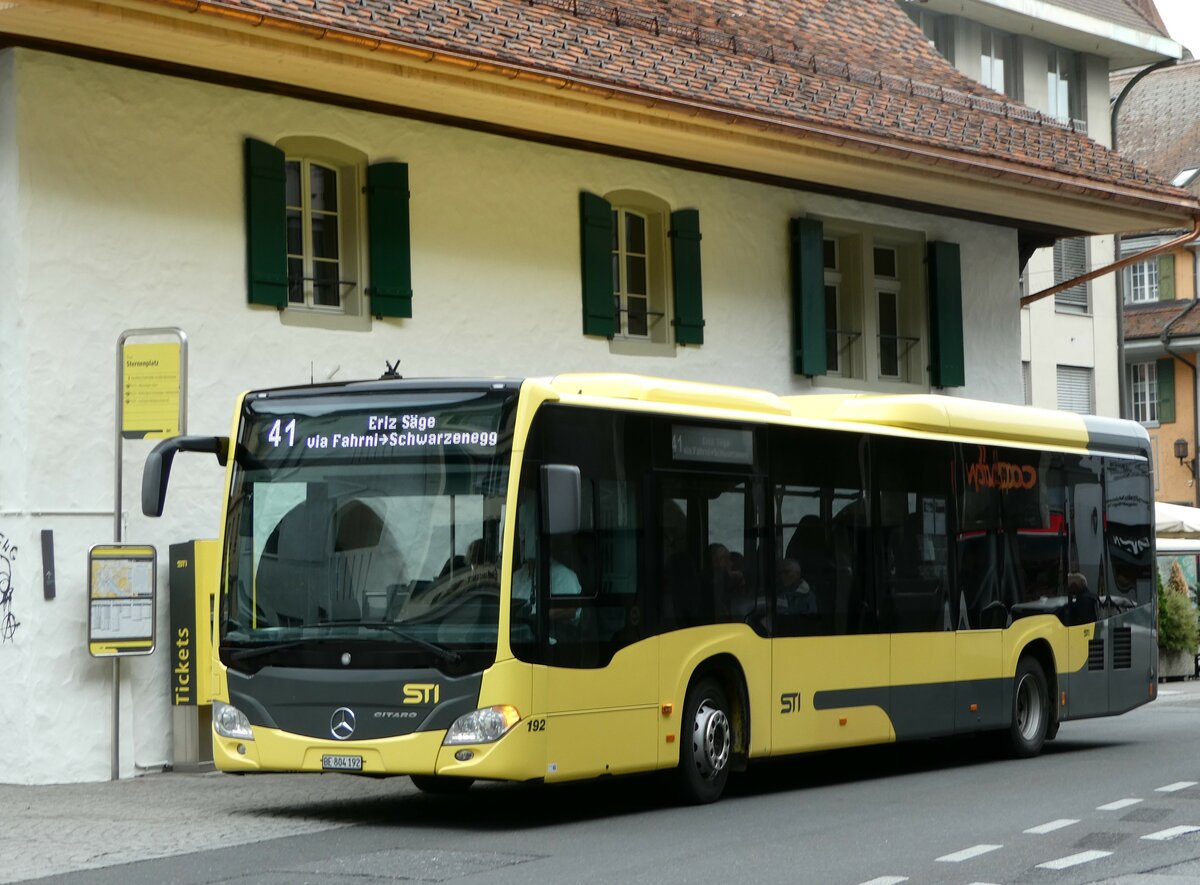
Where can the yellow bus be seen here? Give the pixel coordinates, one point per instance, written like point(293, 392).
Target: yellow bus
point(569, 577)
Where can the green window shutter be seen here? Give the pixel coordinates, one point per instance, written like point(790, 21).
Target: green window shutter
point(685, 268)
point(389, 253)
point(946, 362)
point(809, 339)
point(266, 224)
point(1166, 277)
point(596, 249)
point(1166, 391)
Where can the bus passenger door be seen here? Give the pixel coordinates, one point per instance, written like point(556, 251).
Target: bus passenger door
point(601, 691)
point(912, 503)
point(1089, 639)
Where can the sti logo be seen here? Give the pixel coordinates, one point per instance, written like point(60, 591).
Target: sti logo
point(421, 693)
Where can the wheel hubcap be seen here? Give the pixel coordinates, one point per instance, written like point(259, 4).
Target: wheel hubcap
point(710, 740)
point(1029, 708)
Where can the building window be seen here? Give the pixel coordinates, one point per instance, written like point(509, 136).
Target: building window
point(1076, 390)
point(894, 346)
point(834, 333)
point(632, 315)
point(1141, 282)
point(938, 29)
point(327, 236)
point(1070, 261)
point(641, 272)
point(996, 67)
point(1143, 388)
point(314, 243)
point(1063, 86)
point(866, 295)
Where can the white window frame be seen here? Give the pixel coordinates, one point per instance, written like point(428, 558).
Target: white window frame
point(1141, 282)
point(350, 165)
point(990, 40)
point(860, 360)
point(656, 212)
point(626, 303)
point(305, 284)
point(834, 359)
point(1143, 392)
point(1064, 85)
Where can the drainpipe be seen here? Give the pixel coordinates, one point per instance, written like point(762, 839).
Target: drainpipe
point(1122, 380)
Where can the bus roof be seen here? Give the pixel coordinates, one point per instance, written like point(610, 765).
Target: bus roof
point(925, 414)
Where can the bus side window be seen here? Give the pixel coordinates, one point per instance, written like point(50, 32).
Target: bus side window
point(912, 481)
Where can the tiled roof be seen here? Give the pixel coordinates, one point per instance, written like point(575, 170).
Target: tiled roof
point(1149, 322)
point(857, 67)
point(1159, 122)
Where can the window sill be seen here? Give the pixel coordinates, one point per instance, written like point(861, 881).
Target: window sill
point(314, 319)
point(635, 347)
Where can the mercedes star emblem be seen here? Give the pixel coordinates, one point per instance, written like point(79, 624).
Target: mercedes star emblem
point(341, 723)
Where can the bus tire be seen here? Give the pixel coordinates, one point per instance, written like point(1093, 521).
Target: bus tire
point(441, 786)
point(706, 744)
point(1031, 711)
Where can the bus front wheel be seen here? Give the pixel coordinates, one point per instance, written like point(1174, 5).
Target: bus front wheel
point(1031, 710)
point(706, 743)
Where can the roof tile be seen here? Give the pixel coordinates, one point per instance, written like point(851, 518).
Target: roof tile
point(861, 66)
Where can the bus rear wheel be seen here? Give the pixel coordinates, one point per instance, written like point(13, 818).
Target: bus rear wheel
point(706, 744)
point(442, 786)
point(1031, 710)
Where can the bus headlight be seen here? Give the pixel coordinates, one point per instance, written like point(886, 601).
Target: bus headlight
point(231, 722)
point(483, 726)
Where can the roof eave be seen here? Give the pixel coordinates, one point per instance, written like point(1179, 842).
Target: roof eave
point(1123, 46)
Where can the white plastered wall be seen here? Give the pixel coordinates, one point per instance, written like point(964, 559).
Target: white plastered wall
point(1049, 338)
point(121, 207)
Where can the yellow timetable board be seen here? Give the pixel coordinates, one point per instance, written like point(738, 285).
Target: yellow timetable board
point(121, 600)
point(150, 390)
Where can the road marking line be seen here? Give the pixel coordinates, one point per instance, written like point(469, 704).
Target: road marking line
point(1176, 787)
point(1073, 860)
point(887, 880)
point(1118, 805)
point(1052, 826)
point(1164, 835)
point(968, 853)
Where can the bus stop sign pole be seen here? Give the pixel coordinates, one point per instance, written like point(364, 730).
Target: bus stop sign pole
point(151, 403)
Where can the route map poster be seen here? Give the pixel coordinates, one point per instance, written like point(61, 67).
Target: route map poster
point(121, 600)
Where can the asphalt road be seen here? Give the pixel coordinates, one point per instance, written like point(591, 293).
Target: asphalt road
point(1111, 800)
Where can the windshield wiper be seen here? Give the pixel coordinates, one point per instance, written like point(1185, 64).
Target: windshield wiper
point(445, 654)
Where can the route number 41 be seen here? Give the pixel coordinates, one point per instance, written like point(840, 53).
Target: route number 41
point(277, 431)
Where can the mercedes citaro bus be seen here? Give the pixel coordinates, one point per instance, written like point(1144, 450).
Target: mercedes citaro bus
point(583, 575)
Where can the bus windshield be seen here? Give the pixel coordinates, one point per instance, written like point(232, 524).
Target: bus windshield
point(364, 530)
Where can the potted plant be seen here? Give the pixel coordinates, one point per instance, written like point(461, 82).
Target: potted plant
point(1178, 628)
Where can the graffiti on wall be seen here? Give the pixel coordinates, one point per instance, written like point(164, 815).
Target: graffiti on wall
point(8, 620)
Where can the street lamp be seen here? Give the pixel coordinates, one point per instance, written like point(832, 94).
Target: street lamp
point(1181, 452)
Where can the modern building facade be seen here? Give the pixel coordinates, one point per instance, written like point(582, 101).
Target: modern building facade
point(1057, 57)
point(803, 197)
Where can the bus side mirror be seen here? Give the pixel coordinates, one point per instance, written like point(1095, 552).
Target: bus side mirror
point(157, 470)
point(560, 499)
